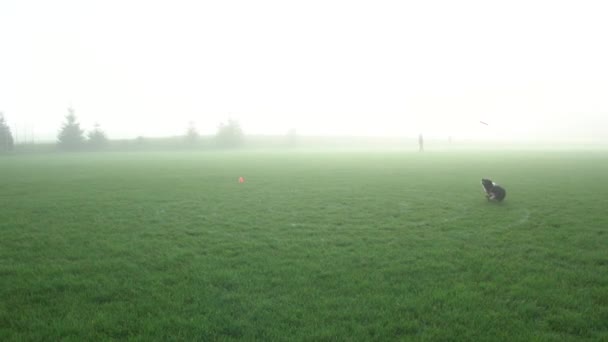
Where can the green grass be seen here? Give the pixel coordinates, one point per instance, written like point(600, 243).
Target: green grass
point(313, 246)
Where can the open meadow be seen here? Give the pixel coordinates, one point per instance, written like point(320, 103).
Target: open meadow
point(314, 245)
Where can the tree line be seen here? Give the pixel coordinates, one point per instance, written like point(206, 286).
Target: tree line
point(72, 137)
point(7, 143)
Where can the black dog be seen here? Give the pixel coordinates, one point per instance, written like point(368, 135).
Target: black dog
point(494, 192)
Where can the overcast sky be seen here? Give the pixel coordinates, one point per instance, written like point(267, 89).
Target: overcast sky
point(527, 68)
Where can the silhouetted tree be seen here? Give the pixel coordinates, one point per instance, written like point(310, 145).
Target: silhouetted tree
point(192, 134)
point(6, 137)
point(97, 138)
point(71, 135)
point(229, 135)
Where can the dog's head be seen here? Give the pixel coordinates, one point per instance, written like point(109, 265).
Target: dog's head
point(487, 184)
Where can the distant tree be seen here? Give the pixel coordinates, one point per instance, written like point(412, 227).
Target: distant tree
point(292, 137)
point(97, 138)
point(192, 134)
point(6, 137)
point(71, 136)
point(229, 134)
point(140, 140)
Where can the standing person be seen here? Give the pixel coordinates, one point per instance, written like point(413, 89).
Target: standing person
point(420, 143)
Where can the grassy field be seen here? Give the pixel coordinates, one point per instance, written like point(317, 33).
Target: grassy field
point(313, 246)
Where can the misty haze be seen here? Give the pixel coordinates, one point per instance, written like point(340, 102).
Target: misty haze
point(323, 170)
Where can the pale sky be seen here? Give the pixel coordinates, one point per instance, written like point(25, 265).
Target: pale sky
point(398, 68)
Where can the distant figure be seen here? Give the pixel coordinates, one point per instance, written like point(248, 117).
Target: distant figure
point(420, 143)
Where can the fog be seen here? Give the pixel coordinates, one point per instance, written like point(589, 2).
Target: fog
point(532, 70)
